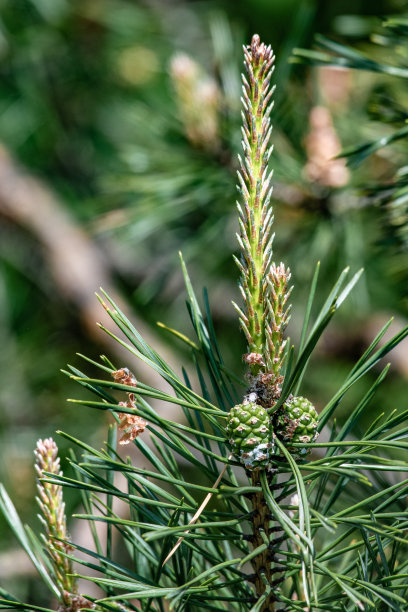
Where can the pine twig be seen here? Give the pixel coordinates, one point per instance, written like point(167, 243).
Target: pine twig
point(56, 538)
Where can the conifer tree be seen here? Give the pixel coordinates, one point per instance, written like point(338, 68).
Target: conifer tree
point(237, 504)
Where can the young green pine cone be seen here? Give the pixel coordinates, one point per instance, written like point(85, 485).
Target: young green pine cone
point(296, 422)
point(250, 435)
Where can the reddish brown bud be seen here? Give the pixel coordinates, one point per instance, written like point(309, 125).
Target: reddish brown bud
point(125, 377)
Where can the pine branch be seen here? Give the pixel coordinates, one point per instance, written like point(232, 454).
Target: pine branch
point(263, 284)
point(53, 518)
point(322, 530)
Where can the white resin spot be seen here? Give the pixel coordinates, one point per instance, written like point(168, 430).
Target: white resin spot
point(252, 397)
point(259, 453)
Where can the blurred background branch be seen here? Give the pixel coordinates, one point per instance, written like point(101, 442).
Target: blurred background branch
point(75, 263)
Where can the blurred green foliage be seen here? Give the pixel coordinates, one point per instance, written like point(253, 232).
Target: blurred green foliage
point(87, 105)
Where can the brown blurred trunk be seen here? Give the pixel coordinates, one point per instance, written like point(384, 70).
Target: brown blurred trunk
point(77, 265)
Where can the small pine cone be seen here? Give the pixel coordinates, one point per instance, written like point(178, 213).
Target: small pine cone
point(250, 435)
point(296, 421)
